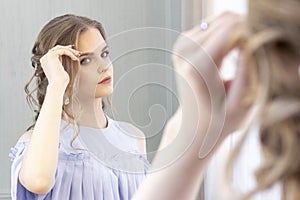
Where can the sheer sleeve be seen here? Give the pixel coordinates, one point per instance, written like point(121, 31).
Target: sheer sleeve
point(18, 191)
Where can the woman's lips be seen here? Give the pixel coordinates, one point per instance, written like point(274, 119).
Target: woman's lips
point(106, 80)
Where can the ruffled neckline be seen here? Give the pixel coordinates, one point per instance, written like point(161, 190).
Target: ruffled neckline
point(109, 125)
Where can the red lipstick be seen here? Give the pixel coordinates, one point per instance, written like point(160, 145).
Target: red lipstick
point(106, 80)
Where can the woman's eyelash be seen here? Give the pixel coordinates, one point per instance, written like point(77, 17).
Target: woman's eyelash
point(85, 61)
point(104, 54)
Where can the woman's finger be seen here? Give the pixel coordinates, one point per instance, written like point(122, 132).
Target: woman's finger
point(69, 47)
point(214, 24)
point(65, 51)
point(209, 21)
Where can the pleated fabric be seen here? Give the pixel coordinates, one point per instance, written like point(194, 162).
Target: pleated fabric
point(102, 164)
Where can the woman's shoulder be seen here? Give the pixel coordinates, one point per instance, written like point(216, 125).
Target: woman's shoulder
point(141, 138)
point(25, 136)
point(126, 126)
point(133, 131)
point(18, 149)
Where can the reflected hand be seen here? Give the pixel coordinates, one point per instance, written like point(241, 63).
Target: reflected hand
point(198, 56)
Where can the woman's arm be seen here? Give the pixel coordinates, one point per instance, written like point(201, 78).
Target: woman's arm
point(206, 115)
point(176, 171)
point(41, 155)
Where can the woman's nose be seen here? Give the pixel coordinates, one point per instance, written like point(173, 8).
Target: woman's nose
point(103, 69)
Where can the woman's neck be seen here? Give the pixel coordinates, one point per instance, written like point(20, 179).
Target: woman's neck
point(90, 112)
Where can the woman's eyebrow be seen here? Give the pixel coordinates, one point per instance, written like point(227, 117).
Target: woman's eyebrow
point(105, 48)
point(92, 53)
point(87, 54)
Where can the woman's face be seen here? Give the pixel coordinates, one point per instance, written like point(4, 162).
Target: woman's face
point(96, 70)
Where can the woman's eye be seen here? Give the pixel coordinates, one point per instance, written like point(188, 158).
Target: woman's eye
point(104, 54)
point(85, 61)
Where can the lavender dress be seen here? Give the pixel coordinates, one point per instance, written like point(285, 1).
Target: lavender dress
point(102, 164)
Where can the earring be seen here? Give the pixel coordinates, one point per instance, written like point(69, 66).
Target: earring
point(66, 101)
point(299, 70)
point(37, 72)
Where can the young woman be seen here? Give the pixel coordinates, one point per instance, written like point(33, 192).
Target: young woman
point(74, 150)
point(265, 91)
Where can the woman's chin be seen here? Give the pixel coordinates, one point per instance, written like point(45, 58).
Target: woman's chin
point(104, 92)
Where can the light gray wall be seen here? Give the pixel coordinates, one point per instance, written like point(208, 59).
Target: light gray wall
point(20, 23)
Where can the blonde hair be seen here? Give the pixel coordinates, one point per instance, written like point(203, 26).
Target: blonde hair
point(62, 30)
point(272, 51)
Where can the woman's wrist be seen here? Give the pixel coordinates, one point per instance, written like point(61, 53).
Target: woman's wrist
point(57, 88)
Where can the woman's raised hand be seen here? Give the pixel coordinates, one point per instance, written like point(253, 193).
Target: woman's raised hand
point(197, 58)
point(52, 66)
